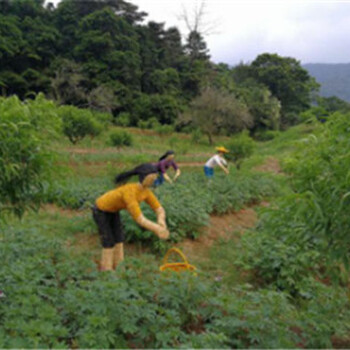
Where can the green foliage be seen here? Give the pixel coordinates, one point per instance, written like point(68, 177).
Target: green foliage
point(263, 106)
point(117, 63)
point(151, 123)
point(173, 141)
point(240, 147)
point(121, 138)
point(76, 193)
point(123, 119)
point(288, 82)
point(305, 234)
point(215, 111)
point(78, 123)
point(165, 108)
point(323, 179)
point(314, 113)
point(196, 136)
point(25, 162)
point(54, 299)
point(165, 81)
point(333, 104)
point(267, 135)
point(164, 130)
point(188, 203)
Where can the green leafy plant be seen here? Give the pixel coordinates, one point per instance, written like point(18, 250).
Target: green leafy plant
point(25, 162)
point(123, 119)
point(240, 147)
point(121, 138)
point(196, 136)
point(164, 130)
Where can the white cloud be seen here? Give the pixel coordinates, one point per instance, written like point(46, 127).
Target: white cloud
point(308, 30)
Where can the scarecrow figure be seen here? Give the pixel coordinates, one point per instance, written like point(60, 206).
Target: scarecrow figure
point(216, 160)
point(164, 162)
point(106, 213)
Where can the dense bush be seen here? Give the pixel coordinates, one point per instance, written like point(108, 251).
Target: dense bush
point(151, 123)
point(164, 130)
point(240, 147)
point(314, 113)
point(120, 138)
point(79, 123)
point(306, 234)
point(25, 162)
point(123, 119)
point(266, 135)
point(165, 108)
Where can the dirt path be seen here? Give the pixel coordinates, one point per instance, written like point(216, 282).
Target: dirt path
point(228, 226)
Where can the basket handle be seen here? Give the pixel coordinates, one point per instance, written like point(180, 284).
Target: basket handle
point(174, 250)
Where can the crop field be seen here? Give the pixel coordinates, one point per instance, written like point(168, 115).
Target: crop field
point(270, 242)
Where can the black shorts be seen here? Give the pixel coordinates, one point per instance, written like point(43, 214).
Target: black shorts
point(109, 226)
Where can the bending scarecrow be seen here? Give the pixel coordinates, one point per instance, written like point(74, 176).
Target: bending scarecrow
point(164, 163)
point(216, 160)
point(106, 213)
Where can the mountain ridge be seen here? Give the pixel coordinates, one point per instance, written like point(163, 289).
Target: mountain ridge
point(333, 77)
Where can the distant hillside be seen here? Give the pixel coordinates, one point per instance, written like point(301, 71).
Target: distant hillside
point(334, 78)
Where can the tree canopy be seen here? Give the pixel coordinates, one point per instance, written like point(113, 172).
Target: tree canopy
point(104, 55)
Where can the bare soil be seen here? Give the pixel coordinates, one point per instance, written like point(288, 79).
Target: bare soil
point(270, 165)
point(228, 226)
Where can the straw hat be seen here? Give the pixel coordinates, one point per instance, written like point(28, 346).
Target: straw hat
point(222, 149)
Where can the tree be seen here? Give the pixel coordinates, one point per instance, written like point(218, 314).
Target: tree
point(78, 123)
point(287, 80)
point(108, 50)
point(264, 108)
point(333, 104)
point(68, 84)
point(165, 108)
point(214, 111)
point(102, 99)
point(196, 47)
point(28, 44)
point(165, 81)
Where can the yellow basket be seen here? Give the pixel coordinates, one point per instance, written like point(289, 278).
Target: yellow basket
point(176, 266)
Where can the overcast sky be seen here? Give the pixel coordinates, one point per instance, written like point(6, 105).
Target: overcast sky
point(310, 31)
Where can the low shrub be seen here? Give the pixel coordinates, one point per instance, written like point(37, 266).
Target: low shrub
point(240, 147)
point(121, 138)
point(123, 119)
point(266, 135)
point(196, 136)
point(164, 130)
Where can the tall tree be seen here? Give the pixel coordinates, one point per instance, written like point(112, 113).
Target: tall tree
point(196, 47)
point(108, 50)
point(287, 80)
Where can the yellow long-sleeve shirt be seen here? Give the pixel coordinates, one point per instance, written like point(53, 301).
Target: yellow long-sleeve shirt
point(127, 197)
